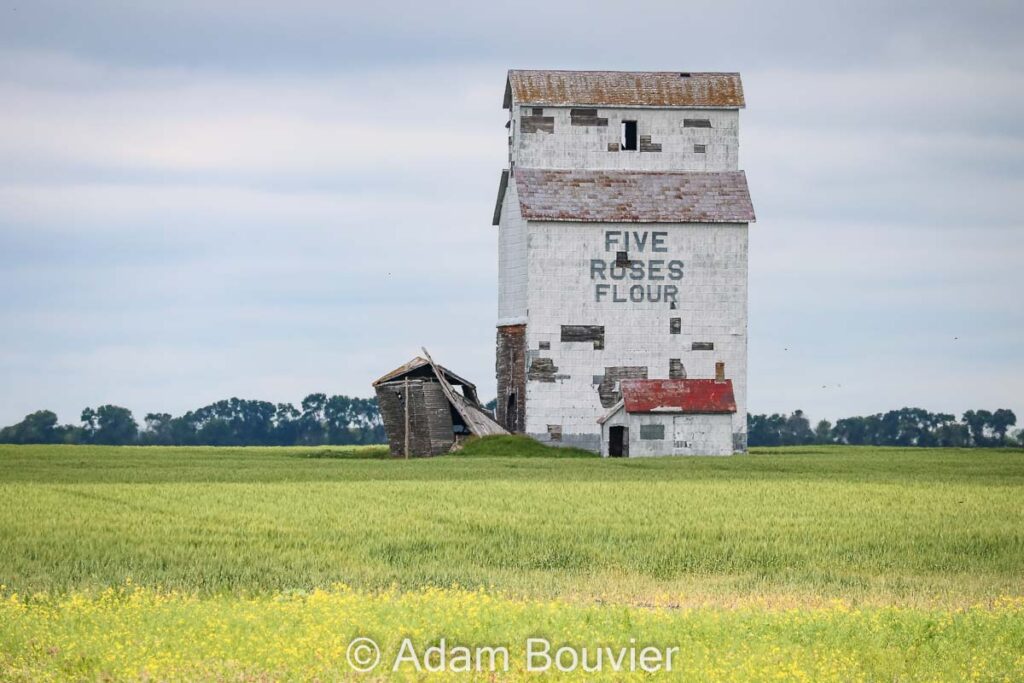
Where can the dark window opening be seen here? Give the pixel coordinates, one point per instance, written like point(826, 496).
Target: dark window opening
point(675, 325)
point(696, 123)
point(700, 149)
point(621, 259)
point(702, 346)
point(629, 136)
point(544, 346)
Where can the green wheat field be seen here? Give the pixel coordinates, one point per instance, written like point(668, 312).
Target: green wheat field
point(816, 564)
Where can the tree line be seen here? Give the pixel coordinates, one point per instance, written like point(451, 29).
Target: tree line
point(320, 420)
point(339, 420)
point(903, 427)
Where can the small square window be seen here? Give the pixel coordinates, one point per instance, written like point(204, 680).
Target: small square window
point(700, 149)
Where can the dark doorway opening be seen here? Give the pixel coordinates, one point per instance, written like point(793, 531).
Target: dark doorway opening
point(512, 414)
point(618, 442)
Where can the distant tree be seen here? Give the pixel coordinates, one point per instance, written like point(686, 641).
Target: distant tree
point(492, 405)
point(157, 430)
point(976, 421)
point(797, 430)
point(1000, 422)
point(823, 432)
point(311, 422)
point(38, 427)
point(110, 425)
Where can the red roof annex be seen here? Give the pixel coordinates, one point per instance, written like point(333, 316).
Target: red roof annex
point(678, 395)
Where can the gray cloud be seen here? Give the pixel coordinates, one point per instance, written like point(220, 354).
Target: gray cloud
point(206, 201)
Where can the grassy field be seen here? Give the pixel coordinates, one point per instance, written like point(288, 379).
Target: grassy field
point(829, 564)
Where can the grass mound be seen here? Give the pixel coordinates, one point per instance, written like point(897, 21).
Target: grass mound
point(514, 446)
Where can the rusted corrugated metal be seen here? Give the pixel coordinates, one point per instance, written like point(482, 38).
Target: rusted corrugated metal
point(678, 395)
point(699, 90)
point(634, 196)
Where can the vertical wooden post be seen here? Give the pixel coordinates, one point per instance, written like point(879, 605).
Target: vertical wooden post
point(407, 417)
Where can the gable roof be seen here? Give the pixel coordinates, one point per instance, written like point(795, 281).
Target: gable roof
point(678, 396)
point(417, 363)
point(696, 90)
point(632, 196)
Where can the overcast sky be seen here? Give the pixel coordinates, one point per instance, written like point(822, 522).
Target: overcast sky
point(201, 200)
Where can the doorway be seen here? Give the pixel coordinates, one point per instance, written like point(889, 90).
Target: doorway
point(618, 442)
point(512, 414)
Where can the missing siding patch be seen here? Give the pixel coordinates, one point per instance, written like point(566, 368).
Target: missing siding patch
point(537, 123)
point(555, 432)
point(676, 370)
point(652, 432)
point(586, 117)
point(702, 346)
point(584, 333)
point(675, 325)
point(696, 123)
point(608, 390)
point(700, 149)
point(542, 370)
point(647, 146)
point(544, 346)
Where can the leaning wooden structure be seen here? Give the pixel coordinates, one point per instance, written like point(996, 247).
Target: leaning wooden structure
point(424, 414)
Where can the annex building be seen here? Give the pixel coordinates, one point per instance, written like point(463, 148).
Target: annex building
point(622, 220)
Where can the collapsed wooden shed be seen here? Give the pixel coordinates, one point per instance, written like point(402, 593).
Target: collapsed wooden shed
point(423, 412)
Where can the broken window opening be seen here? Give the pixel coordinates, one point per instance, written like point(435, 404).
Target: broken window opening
point(700, 149)
point(675, 325)
point(629, 136)
point(696, 123)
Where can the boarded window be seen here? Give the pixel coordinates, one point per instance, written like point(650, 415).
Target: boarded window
point(676, 369)
point(652, 432)
point(586, 117)
point(703, 346)
point(584, 333)
point(696, 123)
point(700, 149)
point(629, 136)
point(555, 432)
point(675, 325)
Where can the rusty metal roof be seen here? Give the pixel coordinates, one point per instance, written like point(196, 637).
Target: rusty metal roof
point(678, 396)
point(702, 90)
point(633, 196)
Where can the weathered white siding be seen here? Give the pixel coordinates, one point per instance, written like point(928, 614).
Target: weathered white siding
point(711, 307)
point(699, 434)
point(579, 147)
point(512, 271)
